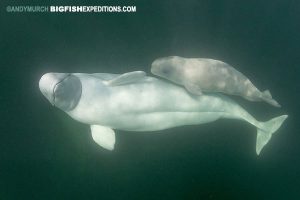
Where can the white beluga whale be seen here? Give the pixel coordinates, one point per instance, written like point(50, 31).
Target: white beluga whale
point(136, 102)
point(199, 75)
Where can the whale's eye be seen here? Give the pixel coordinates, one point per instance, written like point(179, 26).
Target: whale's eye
point(166, 70)
point(67, 93)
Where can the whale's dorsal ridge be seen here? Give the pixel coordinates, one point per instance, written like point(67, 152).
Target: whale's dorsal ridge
point(120, 79)
point(126, 78)
point(103, 136)
point(104, 76)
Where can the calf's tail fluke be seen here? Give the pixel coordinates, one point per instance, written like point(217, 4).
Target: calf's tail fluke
point(265, 131)
point(267, 97)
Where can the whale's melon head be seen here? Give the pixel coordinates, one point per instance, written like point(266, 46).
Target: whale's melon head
point(62, 90)
point(168, 68)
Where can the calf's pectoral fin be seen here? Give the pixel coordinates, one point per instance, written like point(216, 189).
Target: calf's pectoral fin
point(127, 78)
point(103, 136)
point(193, 88)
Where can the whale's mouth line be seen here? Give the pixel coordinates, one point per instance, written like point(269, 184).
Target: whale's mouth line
point(53, 91)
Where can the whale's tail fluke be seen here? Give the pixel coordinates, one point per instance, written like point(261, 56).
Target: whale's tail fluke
point(267, 97)
point(264, 133)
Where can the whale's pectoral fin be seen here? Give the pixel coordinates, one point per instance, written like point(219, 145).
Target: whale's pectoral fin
point(126, 78)
point(103, 136)
point(193, 88)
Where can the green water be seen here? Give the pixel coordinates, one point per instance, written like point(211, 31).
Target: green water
point(44, 154)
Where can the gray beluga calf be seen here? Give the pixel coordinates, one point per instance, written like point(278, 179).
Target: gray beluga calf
point(208, 75)
point(136, 102)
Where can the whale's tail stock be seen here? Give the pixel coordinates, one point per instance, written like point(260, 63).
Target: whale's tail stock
point(265, 131)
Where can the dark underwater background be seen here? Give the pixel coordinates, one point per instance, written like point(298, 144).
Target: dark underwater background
point(44, 154)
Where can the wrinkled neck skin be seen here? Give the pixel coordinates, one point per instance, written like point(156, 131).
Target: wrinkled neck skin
point(179, 69)
point(177, 75)
point(63, 90)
